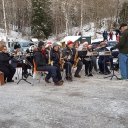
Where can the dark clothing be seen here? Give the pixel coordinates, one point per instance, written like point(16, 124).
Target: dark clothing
point(41, 65)
point(8, 71)
point(5, 67)
point(87, 61)
point(68, 55)
point(105, 35)
point(18, 63)
point(40, 60)
point(40, 44)
point(55, 56)
point(123, 43)
point(68, 67)
point(103, 59)
point(94, 62)
point(4, 59)
point(103, 66)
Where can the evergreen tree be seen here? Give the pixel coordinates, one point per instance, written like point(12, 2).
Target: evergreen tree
point(41, 19)
point(123, 15)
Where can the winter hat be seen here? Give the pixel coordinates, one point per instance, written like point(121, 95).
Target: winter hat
point(69, 42)
point(40, 44)
point(54, 45)
point(85, 42)
point(48, 44)
point(122, 25)
point(89, 46)
point(102, 43)
point(16, 46)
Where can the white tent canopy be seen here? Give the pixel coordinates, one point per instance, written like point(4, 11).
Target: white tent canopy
point(71, 38)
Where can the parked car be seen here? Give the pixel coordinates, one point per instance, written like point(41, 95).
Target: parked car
point(95, 44)
point(23, 44)
point(111, 44)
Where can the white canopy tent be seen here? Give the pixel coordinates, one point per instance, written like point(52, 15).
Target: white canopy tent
point(71, 38)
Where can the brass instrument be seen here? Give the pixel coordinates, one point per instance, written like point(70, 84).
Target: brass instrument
point(61, 61)
point(49, 59)
point(76, 59)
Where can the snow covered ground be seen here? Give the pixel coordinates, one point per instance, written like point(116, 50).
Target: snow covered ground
point(87, 102)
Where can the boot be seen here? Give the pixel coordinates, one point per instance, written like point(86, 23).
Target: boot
point(58, 83)
point(77, 74)
point(69, 78)
point(46, 80)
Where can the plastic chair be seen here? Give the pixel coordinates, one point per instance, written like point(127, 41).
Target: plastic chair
point(18, 71)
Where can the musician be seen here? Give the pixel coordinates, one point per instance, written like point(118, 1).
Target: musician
point(42, 65)
point(103, 59)
point(48, 46)
point(5, 67)
point(69, 54)
point(55, 57)
point(86, 59)
point(41, 42)
point(17, 61)
point(93, 58)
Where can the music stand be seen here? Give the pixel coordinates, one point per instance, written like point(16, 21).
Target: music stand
point(113, 74)
point(23, 77)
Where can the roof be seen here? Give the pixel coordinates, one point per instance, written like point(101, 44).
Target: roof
point(71, 38)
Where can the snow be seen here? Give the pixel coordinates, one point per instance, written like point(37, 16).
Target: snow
point(70, 38)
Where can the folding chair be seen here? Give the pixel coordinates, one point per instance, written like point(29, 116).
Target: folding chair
point(39, 73)
point(18, 71)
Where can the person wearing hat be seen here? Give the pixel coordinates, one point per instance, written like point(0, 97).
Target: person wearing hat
point(103, 59)
point(69, 54)
point(55, 57)
point(41, 60)
point(123, 51)
point(48, 46)
point(17, 61)
point(40, 43)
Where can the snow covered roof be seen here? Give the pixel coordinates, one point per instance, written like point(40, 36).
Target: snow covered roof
point(71, 38)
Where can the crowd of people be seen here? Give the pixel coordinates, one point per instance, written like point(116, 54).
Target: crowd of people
point(48, 57)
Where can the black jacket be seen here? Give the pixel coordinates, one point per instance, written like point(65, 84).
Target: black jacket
point(4, 59)
point(69, 52)
point(123, 43)
point(40, 60)
point(82, 54)
point(55, 55)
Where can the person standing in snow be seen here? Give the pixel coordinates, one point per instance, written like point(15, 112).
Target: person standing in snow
point(110, 35)
point(105, 35)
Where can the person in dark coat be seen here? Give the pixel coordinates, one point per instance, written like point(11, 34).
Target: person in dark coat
point(105, 35)
point(123, 51)
point(55, 57)
point(103, 59)
point(69, 54)
point(42, 65)
point(5, 67)
point(86, 59)
point(17, 61)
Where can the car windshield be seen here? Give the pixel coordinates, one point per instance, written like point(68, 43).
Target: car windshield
point(112, 43)
point(24, 44)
